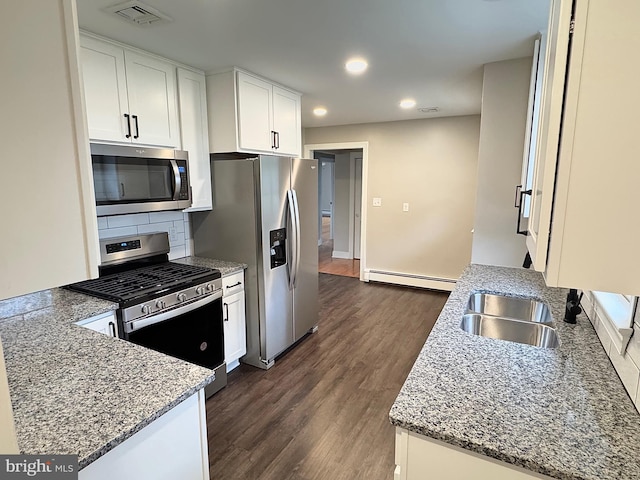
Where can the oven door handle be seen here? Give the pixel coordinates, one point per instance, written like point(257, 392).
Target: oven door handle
point(161, 317)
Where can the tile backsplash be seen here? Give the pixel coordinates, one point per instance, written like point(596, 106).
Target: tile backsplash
point(175, 223)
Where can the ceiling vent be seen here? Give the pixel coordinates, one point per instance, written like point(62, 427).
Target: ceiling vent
point(429, 110)
point(138, 13)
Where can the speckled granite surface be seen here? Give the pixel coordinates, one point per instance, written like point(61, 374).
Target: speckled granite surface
point(226, 268)
point(559, 412)
point(76, 391)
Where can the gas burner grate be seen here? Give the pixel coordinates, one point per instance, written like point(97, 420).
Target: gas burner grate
point(130, 284)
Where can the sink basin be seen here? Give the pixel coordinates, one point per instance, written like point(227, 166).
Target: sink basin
point(524, 309)
point(529, 333)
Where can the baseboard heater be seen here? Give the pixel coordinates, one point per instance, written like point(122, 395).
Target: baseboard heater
point(410, 280)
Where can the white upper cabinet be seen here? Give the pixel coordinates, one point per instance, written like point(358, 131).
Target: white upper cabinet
point(50, 234)
point(583, 230)
point(255, 114)
point(251, 114)
point(130, 97)
point(286, 120)
point(195, 135)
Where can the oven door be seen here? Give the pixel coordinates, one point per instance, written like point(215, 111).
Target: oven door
point(193, 332)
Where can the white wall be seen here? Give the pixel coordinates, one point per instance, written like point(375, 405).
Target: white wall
point(430, 164)
point(505, 93)
point(342, 199)
point(326, 183)
point(176, 223)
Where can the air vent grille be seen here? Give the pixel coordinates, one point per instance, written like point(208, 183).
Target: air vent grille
point(428, 109)
point(138, 13)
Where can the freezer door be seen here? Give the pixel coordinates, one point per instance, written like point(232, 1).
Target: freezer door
point(304, 183)
point(276, 319)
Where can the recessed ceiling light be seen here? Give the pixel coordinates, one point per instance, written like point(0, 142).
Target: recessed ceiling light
point(407, 103)
point(356, 65)
point(320, 111)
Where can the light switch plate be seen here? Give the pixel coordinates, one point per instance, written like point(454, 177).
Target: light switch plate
point(405, 207)
point(377, 201)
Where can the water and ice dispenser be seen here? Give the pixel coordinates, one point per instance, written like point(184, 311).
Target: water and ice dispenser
point(278, 247)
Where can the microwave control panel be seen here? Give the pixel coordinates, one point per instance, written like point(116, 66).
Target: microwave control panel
point(184, 181)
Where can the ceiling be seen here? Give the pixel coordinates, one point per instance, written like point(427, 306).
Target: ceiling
point(429, 50)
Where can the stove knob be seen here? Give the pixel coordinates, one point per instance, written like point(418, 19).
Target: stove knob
point(146, 309)
point(200, 290)
point(181, 297)
point(209, 287)
point(160, 304)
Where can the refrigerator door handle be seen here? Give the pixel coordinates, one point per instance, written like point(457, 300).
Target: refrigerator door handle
point(291, 255)
point(297, 237)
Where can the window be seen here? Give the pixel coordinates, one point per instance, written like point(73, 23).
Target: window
point(616, 312)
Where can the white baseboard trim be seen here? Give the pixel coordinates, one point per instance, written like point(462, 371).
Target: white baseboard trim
point(410, 280)
point(233, 364)
point(339, 254)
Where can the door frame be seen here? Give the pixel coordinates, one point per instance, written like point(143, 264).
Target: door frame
point(309, 150)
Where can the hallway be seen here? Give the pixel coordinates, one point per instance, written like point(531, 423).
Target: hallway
point(334, 266)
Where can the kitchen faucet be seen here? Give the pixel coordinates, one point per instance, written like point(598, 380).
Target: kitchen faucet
point(572, 308)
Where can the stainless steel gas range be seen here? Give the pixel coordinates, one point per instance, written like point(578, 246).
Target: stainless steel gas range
point(169, 307)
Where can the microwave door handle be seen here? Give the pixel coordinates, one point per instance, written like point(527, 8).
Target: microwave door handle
point(177, 180)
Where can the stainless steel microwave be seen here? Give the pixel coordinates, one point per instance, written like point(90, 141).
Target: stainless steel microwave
point(129, 179)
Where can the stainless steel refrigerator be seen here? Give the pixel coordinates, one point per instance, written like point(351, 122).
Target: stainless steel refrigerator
point(265, 214)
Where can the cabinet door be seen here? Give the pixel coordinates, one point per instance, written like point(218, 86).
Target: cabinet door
point(548, 134)
point(286, 121)
point(235, 336)
point(194, 130)
point(151, 87)
point(105, 90)
point(254, 113)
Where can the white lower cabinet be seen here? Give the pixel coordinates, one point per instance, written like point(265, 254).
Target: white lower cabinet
point(422, 458)
point(105, 323)
point(233, 312)
point(171, 447)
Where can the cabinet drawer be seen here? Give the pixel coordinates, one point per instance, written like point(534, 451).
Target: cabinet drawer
point(233, 283)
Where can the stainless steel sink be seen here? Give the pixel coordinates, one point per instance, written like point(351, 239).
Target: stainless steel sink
point(524, 309)
point(527, 332)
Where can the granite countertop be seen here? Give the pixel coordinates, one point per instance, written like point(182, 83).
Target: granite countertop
point(559, 412)
point(226, 268)
point(76, 391)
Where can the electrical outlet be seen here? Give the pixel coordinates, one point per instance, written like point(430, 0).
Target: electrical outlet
point(173, 234)
point(377, 202)
point(405, 207)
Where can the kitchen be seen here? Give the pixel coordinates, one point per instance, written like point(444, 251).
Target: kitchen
point(79, 239)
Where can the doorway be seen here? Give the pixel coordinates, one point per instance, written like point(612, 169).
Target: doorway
point(340, 212)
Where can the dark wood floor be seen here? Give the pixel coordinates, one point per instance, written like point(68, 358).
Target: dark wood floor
point(321, 412)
